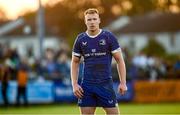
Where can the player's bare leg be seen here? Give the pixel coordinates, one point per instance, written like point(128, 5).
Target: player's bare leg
point(87, 110)
point(112, 111)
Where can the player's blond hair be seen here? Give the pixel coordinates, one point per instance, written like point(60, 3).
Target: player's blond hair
point(91, 11)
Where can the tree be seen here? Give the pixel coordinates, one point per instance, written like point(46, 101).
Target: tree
point(154, 48)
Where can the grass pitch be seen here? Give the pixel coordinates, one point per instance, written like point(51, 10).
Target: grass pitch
point(125, 108)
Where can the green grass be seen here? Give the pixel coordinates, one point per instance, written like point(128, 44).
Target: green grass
point(125, 108)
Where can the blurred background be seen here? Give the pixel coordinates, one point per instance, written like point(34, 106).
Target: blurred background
point(36, 38)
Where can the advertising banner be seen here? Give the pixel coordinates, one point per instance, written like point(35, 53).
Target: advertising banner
point(37, 92)
point(159, 91)
point(63, 93)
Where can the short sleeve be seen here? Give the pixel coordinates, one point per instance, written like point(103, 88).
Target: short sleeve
point(114, 45)
point(76, 51)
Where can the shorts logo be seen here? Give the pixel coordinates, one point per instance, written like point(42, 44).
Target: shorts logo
point(102, 42)
point(110, 101)
point(79, 101)
point(84, 43)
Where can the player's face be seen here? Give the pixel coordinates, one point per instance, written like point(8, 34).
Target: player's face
point(92, 22)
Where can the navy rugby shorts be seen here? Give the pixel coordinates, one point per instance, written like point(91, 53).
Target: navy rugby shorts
point(98, 95)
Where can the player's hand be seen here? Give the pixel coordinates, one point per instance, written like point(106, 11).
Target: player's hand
point(122, 88)
point(78, 91)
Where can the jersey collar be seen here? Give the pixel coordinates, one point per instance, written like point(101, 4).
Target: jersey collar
point(100, 30)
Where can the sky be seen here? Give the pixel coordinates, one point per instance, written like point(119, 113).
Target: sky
point(15, 8)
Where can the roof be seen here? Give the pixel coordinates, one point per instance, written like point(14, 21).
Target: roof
point(152, 23)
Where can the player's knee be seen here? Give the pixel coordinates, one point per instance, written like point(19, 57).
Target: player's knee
point(87, 110)
point(111, 111)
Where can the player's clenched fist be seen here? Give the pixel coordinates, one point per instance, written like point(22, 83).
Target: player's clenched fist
point(78, 91)
point(122, 89)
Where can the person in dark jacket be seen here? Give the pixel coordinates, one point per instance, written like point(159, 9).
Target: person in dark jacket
point(4, 80)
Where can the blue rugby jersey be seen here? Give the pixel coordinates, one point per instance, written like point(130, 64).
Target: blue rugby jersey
point(97, 53)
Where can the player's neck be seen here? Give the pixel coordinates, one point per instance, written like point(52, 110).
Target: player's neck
point(93, 33)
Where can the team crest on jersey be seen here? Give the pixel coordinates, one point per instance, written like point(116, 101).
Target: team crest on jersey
point(84, 43)
point(102, 42)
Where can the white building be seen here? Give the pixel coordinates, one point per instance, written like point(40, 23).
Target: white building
point(23, 43)
point(21, 34)
point(134, 33)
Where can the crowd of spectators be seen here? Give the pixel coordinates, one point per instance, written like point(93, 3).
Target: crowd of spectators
point(149, 67)
point(56, 65)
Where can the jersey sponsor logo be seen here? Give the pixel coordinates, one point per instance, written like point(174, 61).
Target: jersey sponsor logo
point(95, 54)
point(102, 42)
point(84, 43)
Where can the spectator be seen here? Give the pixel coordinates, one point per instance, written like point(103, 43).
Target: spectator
point(63, 67)
point(4, 69)
point(177, 67)
point(22, 82)
point(177, 63)
point(49, 65)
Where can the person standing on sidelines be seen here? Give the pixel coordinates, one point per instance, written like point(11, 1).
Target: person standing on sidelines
point(22, 80)
point(97, 47)
point(5, 77)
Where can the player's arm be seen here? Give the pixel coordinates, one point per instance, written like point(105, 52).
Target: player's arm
point(121, 71)
point(77, 90)
point(75, 69)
